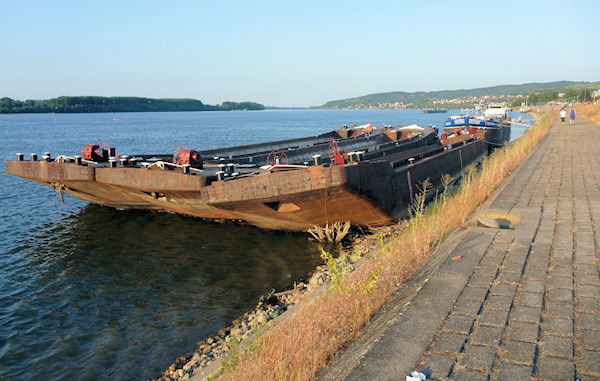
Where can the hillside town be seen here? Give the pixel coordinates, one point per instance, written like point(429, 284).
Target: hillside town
point(468, 101)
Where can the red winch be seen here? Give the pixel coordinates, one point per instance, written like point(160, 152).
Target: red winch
point(183, 155)
point(97, 152)
point(191, 157)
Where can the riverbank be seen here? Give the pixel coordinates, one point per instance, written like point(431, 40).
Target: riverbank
point(301, 345)
point(591, 112)
point(514, 302)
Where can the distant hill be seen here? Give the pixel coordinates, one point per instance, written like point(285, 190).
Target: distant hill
point(426, 98)
point(116, 104)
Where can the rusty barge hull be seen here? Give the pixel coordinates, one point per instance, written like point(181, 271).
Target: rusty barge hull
point(371, 192)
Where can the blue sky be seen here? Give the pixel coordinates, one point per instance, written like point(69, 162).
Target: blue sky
point(284, 53)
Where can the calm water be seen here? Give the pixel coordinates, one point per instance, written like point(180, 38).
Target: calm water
point(89, 292)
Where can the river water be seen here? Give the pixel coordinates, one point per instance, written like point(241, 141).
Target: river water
point(90, 292)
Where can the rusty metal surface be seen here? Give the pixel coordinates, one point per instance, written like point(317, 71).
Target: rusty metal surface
point(374, 192)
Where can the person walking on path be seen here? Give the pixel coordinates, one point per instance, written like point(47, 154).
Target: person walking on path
point(563, 115)
point(572, 116)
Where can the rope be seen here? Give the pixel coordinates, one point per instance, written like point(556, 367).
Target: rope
point(58, 187)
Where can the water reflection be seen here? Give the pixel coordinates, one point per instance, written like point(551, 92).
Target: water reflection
point(121, 294)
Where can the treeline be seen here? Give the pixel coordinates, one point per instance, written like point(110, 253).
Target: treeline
point(116, 104)
point(570, 95)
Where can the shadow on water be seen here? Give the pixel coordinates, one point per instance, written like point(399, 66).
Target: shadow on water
point(122, 294)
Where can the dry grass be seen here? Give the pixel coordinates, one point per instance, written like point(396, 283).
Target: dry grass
point(591, 112)
point(299, 347)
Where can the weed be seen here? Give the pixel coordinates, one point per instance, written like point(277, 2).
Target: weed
point(372, 280)
point(338, 268)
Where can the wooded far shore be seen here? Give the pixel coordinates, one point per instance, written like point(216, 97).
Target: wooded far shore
point(85, 104)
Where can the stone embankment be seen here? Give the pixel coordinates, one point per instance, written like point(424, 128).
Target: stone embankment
point(207, 359)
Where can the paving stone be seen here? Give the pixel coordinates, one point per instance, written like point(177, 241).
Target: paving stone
point(538, 249)
point(468, 307)
point(589, 304)
point(585, 260)
point(590, 339)
point(486, 335)
point(583, 250)
point(555, 368)
point(450, 342)
point(590, 361)
point(486, 270)
point(564, 238)
point(585, 240)
point(440, 365)
point(513, 372)
point(560, 295)
point(564, 246)
point(474, 293)
point(586, 377)
point(557, 345)
point(499, 302)
point(533, 286)
point(459, 323)
point(533, 299)
point(562, 270)
point(514, 267)
point(516, 259)
point(482, 281)
point(535, 274)
point(479, 357)
point(523, 331)
point(470, 374)
point(493, 317)
point(509, 277)
point(590, 321)
point(504, 289)
point(588, 269)
point(500, 244)
point(527, 313)
point(588, 290)
point(562, 253)
point(558, 326)
point(588, 279)
point(520, 352)
point(561, 282)
point(492, 260)
point(537, 264)
point(559, 309)
point(562, 262)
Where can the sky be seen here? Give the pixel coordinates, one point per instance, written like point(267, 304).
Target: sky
point(290, 53)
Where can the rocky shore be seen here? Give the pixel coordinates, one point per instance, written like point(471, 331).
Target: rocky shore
point(208, 358)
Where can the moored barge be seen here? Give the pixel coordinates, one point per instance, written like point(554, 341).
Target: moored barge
point(365, 175)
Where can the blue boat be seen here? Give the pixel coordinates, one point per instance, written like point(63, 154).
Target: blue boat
point(497, 128)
